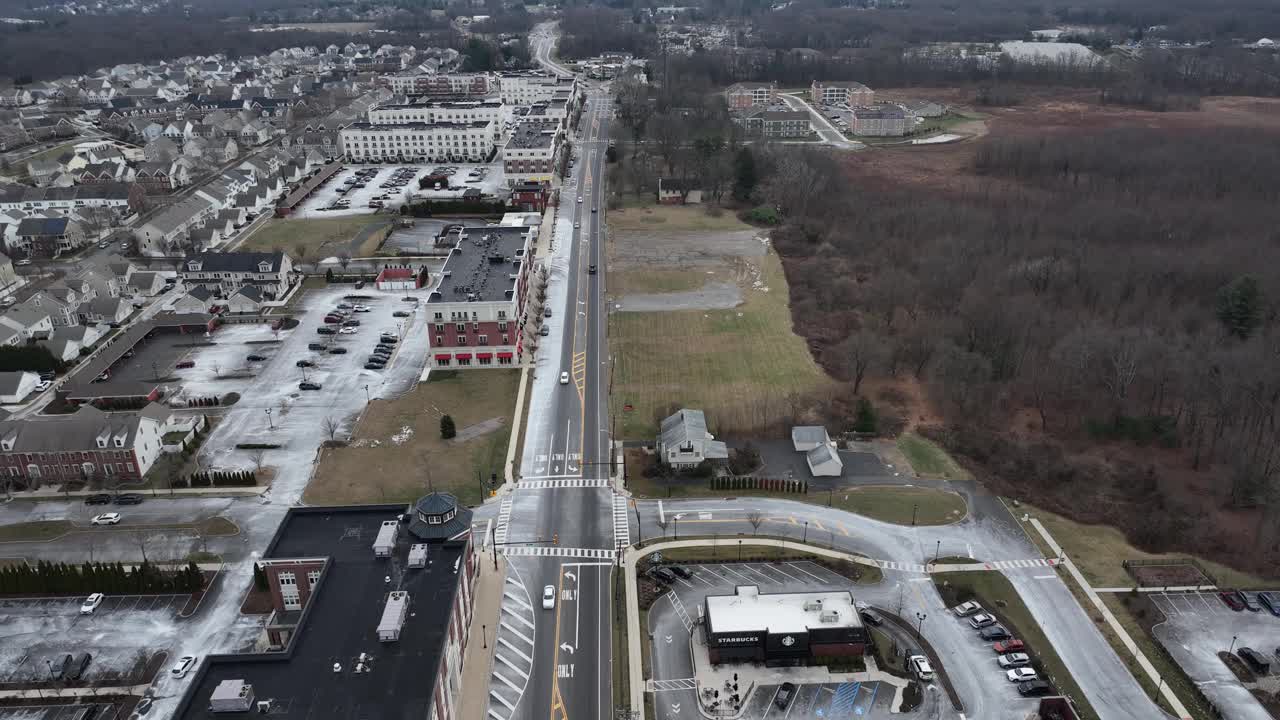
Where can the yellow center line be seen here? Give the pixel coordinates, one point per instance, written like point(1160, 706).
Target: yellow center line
point(557, 703)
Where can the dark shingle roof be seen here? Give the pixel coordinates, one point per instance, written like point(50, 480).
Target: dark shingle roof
point(42, 226)
point(233, 262)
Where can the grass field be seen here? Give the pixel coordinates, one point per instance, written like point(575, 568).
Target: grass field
point(993, 590)
point(1098, 552)
point(396, 451)
point(626, 282)
point(929, 460)
point(321, 237)
point(671, 218)
point(738, 365)
point(899, 505)
point(39, 530)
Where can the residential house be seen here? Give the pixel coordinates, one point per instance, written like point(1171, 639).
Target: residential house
point(156, 178)
point(197, 300)
point(684, 443)
point(923, 108)
point(880, 121)
point(105, 309)
point(197, 148)
point(9, 279)
point(67, 343)
point(15, 97)
point(28, 322)
point(255, 133)
point(16, 385)
point(146, 284)
point(165, 232)
point(248, 299)
point(677, 192)
point(225, 273)
point(853, 94)
point(42, 171)
point(751, 94)
point(49, 237)
point(758, 122)
point(86, 445)
point(204, 238)
point(161, 149)
point(223, 150)
point(807, 437)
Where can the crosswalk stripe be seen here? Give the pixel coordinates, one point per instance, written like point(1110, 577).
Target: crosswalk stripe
point(503, 641)
point(556, 551)
point(561, 483)
point(502, 658)
point(496, 694)
point(509, 684)
point(504, 519)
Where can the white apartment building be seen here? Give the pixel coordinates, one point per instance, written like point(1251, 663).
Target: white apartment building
point(420, 141)
point(417, 83)
point(530, 152)
point(526, 88)
point(440, 111)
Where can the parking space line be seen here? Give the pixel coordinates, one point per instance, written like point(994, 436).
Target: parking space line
point(682, 580)
point(700, 576)
point(748, 568)
point(778, 570)
point(806, 572)
point(735, 572)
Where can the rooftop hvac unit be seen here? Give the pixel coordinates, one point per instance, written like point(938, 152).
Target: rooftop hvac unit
point(810, 605)
point(830, 616)
point(418, 555)
point(393, 615)
point(231, 696)
point(386, 540)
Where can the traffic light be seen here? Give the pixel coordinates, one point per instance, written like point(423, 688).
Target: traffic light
point(555, 538)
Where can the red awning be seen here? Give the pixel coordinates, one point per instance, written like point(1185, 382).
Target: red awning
point(463, 356)
point(443, 356)
point(504, 355)
point(484, 356)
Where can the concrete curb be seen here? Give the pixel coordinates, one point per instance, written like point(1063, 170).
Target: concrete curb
point(1165, 691)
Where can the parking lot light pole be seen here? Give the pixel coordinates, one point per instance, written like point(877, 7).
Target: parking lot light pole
point(913, 514)
point(920, 623)
point(937, 552)
point(366, 394)
point(1233, 643)
point(806, 532)
point(269, 423)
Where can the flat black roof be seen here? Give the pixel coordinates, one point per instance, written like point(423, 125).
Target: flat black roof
point(340, 621)
point(480, 267)
point(533, 134)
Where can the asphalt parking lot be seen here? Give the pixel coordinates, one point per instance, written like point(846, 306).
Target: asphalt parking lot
point(100, 711)
point(152, 358)
point(323, 198)
point(1197, 627)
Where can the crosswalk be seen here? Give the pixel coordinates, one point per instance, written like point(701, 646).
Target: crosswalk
point(504, 521)
point(668, 685)
point(1016, 564)
point(903, 566)
point(680, 611)
point(621, 523)
point(557, 551)
point(559, 483)
point(512, 651)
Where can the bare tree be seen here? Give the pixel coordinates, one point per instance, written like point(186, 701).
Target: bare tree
point(857, 354)
point(756, 518)
point(258, 456)
point(140, 538)
point(331, 426)
point(344, 259)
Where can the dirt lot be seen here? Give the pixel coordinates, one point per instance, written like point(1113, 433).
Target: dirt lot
point(396, 451)
point(1167, 575)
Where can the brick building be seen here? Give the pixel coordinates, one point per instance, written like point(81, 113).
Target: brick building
point(87, 444)
point(476, 310)
point(853, 94)
point(880, 121)
point(531, 152)
point(751, 94)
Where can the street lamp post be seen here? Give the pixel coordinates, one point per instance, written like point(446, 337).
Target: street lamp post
point(675, 527)
point(920, 623)
point(269, 422)
point(913, 514)
point(937, 552)
point(366, 393)
point(806, 532)
point(1233, 643)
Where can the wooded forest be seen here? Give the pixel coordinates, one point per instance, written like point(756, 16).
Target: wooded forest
point(1108, 288)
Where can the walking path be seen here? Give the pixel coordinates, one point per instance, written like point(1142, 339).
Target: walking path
point(478, 663)
point(49, 693)
point(1165, 691)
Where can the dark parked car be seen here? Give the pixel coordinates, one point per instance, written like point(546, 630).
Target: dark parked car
point(183, 364)
point(1271, 601)
point(59, 666)
point(1256, 661)
point(350, 323)
point(871, 616)
point(1034, 688)
point(305, 363)
point(389, 339)
point(129, 499)
point(400, 313)
point(663, 575)
point(308, 386)
point(256, 358)
point(372, 365)
point(331, 319)
point(591, 270)
point(784, 696)
point(993, 633)
point(75, 669)
point(326, 331)
point(1232, 599)
point(682, 571)
point(1250, 601)
point(316, 346)
point(102, 499)
point(338, 351)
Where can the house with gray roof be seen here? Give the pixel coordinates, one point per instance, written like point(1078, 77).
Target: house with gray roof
point(49, 237)
point(27, 322)
point(225, 273)
point(16, 385)
point(105, 309)
point(683, 441)
point(807, 437)
point(824, 461)
point(107, 447)
point(164, 232)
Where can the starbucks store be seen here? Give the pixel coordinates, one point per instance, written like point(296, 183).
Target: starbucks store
point(781, 628)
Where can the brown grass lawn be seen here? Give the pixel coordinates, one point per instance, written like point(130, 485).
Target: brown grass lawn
point(672, 218)
point(627, 282)
point(384, 463)
point(322, 237)
point(738, 365)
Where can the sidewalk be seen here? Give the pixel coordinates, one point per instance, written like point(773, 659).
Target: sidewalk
point(51, 494)
point(1165, 691)
point(477, 666)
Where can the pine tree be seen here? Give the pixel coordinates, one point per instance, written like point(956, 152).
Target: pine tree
point(259, 578)
point(745, 178)
point(1240, 306)
point(447, 428)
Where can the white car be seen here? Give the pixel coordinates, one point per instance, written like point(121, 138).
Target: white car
point(577, 225)
point(966, 608)
point(920, 666)
point(91, 603)
point(981, 620)
point(26, 261)
point(361, 308)
point(548, 597)
point(348, 331)
point(43, 385)
point(564, 378)
point(579, 198)
point(183, 666)
point(1022, 674)
point(110, 518)
point(1014, 660)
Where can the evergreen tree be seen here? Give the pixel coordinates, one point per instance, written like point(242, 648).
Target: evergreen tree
point(745, 178)
point(865, 418)
point(1240, 306)
point(447, 428)
point(259, 578)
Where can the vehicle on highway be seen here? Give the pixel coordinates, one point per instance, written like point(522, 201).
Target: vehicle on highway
point(919, 665)
point(23, 262)
point(591, 270)
point(981, 620)
point(577, 225)
point(183, 666)
point(304, 363)
point(785, 694)
point(1232, 600)
point(256, 358)
point(545, 330)
point(184, 364)
point(304, 385)
point(91, 603)
point(1009, 646)
point(43, 385)
point(548, 597)
point(1034, 688)
point(104, 245)
point(1013, 660)
point(338, 351)
point(1022, 674)
point(966, 608)
point(111, 518)
point(99, 499)
point(326, 331)
point(579, 198)
point(564, 378)
point(128, 499)
point(995, 632)
point(594, 209)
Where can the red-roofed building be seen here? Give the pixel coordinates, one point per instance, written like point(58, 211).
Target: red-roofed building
point(400, 278)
